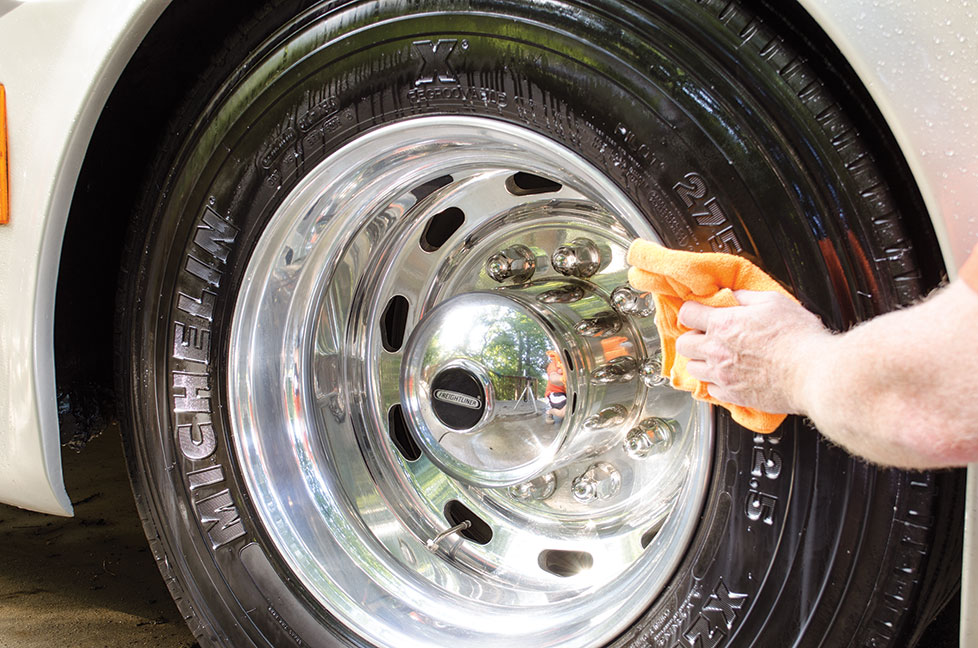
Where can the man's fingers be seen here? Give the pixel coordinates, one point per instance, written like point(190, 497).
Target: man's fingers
point(690, 345)
point(699, 370)
point(695, 315)
point(717, 392)
point(751, 297)
point(721, 394)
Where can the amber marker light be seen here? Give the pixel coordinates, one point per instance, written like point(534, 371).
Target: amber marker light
point(4, 185)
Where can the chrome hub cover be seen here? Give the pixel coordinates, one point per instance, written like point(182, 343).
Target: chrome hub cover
point(444, 397)
point(479, 409)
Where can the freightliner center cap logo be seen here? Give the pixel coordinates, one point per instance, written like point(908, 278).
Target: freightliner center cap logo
point(457, 398)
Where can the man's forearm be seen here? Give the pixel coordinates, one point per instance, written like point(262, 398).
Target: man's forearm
point(899, 390)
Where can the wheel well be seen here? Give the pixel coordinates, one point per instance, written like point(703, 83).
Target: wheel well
point(843, 83)
point(184, 40)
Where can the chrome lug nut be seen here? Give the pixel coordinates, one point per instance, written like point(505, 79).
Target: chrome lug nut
point(650, 436)
point(580, 258)
point(600, 481)
point(538, 488)
point(619, 370)
point(651, 371)
point(629, 301)
point(601, 325)
point(516, 262)
point(607, 417)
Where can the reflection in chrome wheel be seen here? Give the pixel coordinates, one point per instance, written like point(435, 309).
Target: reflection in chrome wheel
point(389, 368)
point(384, 383)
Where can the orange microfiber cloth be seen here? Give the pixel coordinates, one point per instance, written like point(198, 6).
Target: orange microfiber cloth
point(674, 277)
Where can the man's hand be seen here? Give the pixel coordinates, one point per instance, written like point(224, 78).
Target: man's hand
point(753, 354)
point(897, 390)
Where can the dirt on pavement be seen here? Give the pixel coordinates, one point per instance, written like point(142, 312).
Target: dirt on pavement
point(87, 581)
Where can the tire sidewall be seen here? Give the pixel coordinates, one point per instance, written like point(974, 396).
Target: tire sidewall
point(705, 189)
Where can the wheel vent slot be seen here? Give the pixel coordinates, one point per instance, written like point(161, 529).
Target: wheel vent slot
point(422, 191)
point(400, 435)
point(649, 536)
point(393, 323)
point(479, 531)
point(569, 363)
point(527, 184)
point(565, 563)
point(440, 228)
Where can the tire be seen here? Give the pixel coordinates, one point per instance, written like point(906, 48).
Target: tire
point(296, 247)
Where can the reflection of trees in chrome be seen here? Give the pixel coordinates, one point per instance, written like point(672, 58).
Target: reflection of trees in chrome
point(516, 350)
point(512, 346)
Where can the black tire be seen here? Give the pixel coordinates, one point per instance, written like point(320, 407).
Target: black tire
point(716, 127)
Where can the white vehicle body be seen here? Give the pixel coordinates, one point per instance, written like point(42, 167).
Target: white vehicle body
point(59, 62)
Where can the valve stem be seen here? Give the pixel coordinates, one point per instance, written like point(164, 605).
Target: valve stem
point(432, 544)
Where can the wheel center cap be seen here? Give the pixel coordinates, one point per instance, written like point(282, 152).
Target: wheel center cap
point(501, 386)
point(473, 385)
point(458, 399)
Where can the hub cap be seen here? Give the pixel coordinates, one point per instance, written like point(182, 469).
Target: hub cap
point(444, 398)
point(475, 405)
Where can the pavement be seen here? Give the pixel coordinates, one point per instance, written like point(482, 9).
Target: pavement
point(87, 581)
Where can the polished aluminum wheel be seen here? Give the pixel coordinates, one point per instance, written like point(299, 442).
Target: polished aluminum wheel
point(408, 449)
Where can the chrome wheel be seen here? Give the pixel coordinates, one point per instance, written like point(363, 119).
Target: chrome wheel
point(388, 367)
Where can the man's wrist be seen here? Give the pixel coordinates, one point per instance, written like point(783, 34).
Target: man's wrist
point(812, 359)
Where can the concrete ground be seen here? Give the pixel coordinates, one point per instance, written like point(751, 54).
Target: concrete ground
point(87, 581)
point(90, 581)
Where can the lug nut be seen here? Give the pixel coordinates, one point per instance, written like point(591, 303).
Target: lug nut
point(516, 262)
point(600, 481)
point(580, 258)
point(539, 488)
point(629, 301)
point(650, 436)
point(619, 370)
point(651, 371)
point(601, 325)
point(607, 417)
